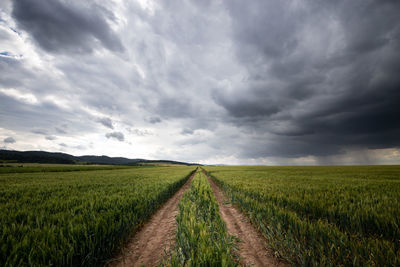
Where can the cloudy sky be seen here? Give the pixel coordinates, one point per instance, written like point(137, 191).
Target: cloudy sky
point(233, 82)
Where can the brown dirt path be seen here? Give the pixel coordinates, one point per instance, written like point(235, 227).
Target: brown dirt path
point(252, 246)
point(148, 246)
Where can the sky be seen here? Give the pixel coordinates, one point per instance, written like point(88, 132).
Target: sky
point(261, 82)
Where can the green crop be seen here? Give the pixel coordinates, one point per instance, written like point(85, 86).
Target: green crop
point(201, 238)
point(26, 167)
point(78, 218)
point(321, 216)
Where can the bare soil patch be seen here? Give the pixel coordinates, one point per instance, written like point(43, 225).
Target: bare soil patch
point(152, 243)
point(252, 246)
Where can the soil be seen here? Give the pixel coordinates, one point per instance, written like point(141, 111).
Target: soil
point(154, 241)
point(252, 245)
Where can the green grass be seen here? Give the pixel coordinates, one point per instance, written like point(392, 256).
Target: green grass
point(37, 167)
point(201, 238)
point(321, 216)
point(78, 218)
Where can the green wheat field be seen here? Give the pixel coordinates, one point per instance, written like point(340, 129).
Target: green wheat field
point(310, 216)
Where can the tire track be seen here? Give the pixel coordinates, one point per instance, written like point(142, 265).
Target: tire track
point(149, 246)
point(252, 246)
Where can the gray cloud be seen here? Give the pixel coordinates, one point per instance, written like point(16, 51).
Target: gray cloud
point(60, 130)
point(26, 117)
point(50, 137)
point(9, 140)
point(174, 107)
point(116, 135)
point(10, 78)
point(58, 26)
point(187, 131)
point(320, 78)
point(154, 120)
point(107, 122)
point(139, 132)
point(39, 131)
point(264, 81)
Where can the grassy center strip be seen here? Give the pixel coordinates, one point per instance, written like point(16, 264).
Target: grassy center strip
point(202, 239)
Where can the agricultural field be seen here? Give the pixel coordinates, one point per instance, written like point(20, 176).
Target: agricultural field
point(63, 215)
point(78, 218)
point(201, 236)
point(321, 216)
point(38, 167)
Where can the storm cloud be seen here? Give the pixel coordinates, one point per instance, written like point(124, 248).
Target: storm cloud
point(321, 76)
point(9, 140)
point(107, 122)
point(116, 135)
point(259, 82)
point(59, 26)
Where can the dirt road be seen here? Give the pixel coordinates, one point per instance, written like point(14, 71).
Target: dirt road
point(252, 248)
point(148, 246)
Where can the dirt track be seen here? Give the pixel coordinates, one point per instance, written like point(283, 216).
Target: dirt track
point(252, 247)
point(148, 246)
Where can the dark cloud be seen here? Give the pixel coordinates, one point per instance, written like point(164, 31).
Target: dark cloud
point(321, 76)
point(187, 131)
point(9, 140)
point(59, 26)
point(116, 135)
point(174, 107)
point(107, 122)
point(154, 120)
point(39, 131)
point(246, 105)
point(60, 130)
point(50, 137)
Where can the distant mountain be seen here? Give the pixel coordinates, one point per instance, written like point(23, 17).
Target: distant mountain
point(63, 158)
point(37, 157)
point(106, 160)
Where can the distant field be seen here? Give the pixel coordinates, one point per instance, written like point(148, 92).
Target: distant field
point(160, 164)
point(16, 164)
point(38, 167)
point(321, 216)
point(77, 218)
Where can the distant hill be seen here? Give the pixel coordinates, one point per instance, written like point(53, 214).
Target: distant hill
point(106, 160)
point(63, 158)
